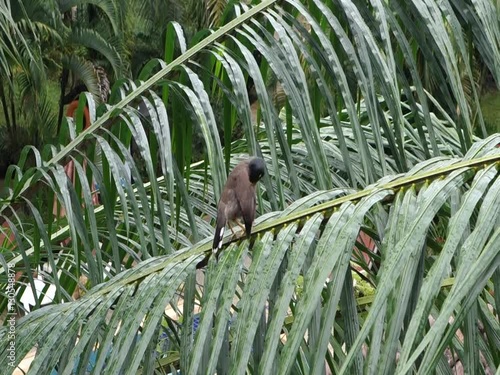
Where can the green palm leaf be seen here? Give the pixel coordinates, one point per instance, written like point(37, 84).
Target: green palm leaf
point(141, 294)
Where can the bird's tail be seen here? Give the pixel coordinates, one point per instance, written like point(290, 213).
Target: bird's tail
point(219, 233)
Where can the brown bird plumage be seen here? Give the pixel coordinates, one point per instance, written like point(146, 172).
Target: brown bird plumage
point(238, 198)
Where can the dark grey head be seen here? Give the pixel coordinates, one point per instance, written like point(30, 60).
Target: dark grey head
point(256, 169)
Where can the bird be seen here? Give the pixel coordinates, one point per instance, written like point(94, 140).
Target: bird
point(238, 199)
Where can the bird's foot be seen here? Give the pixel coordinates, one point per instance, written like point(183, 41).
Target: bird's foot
point(237, 235)
point(241, 226)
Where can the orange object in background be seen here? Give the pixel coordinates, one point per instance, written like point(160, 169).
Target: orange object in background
point(7, 237)
point(70, 168)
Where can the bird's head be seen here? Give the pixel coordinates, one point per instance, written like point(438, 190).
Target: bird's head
point(256, 169)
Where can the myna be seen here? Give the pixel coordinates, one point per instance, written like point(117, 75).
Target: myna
point(238, 199)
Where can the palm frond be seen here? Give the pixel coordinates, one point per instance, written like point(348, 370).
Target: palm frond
point(313, 232)
point(92, 40)
point(82, 70)
point(109, 7)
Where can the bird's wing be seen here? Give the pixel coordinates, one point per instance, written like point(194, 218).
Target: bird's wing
point(245, 194)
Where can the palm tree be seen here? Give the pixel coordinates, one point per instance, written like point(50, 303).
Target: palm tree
point(52, 38)
point(359, 145)
point(91, 49)
point(23, 83)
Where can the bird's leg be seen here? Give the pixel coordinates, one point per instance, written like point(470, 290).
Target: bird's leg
point(241, 226)
point(230, 227)
point(237, 223)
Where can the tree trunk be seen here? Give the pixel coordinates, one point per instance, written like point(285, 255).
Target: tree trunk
point(64, 82)
point(13, 111)
point(5, 108)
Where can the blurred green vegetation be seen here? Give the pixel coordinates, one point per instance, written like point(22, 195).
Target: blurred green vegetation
point(490, 106)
